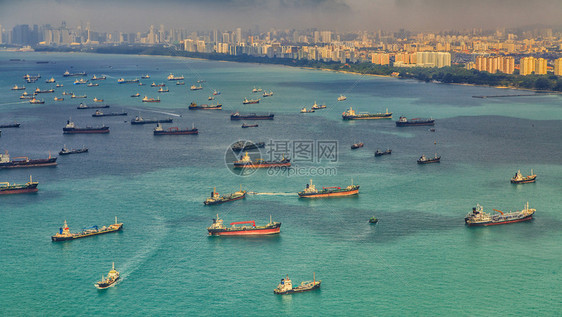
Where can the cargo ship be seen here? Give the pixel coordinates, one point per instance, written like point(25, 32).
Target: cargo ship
point(10, 125)
point(316, 106)
point(23, 161)
point(36, 101)
point(77, 96)
point(50, 81)
point(127, 81)
point(304, 110)
point(215, 198)
point(193, 87)
point(80, 81)
point(65, 234)
point(29, 187)
point(426, 160)
point(520, 179)
point(69, 74)
point(99, 113)
point(246, 145)
point(141, 120)
point(256, 90)
point(247, 101)
point(195, 106)
point(404, 122)
point(92, 85)
point(477, 217)
point(267, 94)
point(381, 153)
point(108, 281)
point(311, 192)
point(172, 77)
point(251, 116)
point(147, 76)
point(246, 162)
point(66, 151)
point(357, 145)
point(39, 91)
point(98, 78)
point(157, 85)
point(58, 99)
point(71, 128)
point(146, 99)
point(98, 99)
point(84, 106)
point(286, 286)
point(350, 114)
point(163, 90)
point(342, 98)
point(16, 87)
point(219, 229)
point(174, 130)
point(25, 95)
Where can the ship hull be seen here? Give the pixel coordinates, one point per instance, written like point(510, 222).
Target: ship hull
point(31, 163)
point(264, 165)
point(93, 107)
point(106, 285)
point(420, 123)
point(269, 117)
point(524, 181)
point(109, 114)
point(176, 132)
point(85, 130)
point(297, 290)
point(373, 117)
point(205, 108)
point(73, 152)
point(217, 202)
point(429, 161)
point(24, 190)
point(493, 223)
point(334, 194)
point(84, 235)
point(245, 232)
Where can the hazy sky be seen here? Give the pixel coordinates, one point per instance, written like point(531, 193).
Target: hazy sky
point(339, 15)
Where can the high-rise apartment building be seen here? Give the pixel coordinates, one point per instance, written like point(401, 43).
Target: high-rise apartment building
point(381, 58)
point(558, 67)
point(540, 66)
point(527, 65)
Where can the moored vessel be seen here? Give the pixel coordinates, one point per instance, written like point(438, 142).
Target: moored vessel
point(71, 128)
point(216, 198)
point(311, 192)
point(316, 106)
point(36, 101)
point(477, 217)
point(141, 120)
point(69, 74)
point(520, 179)
point(98, 78)
point(79, 97)
point(16, 87)
point(246, 145)
point(29, 187)
point(247, 101)
point(286, 286)
point(127, 81)
point(172, 77)
point(65, 234)
point(39, 91)
point(146, 99)
point(85, 106)
point(174, 130)
point(80, 81)
point(246, 162)
point(342, 98)
point(157, 85)
point(405, 122)
point(381, 153)
point(10, 125)
point(357, 145)
point(24, 161)
point(108, 281)
point(99, 113)
point(59, 99)
point(267, 94)
point(163, 90)
point(304, 110)
point(135, 95)
point(194, 87)
point(98, 99)
point(251, 116)
point(219, 229)
point(195, 106)
point(426, 160)
point(67, 151)
point(350, 114)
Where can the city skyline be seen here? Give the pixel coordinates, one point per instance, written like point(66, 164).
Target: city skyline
point(337, 15)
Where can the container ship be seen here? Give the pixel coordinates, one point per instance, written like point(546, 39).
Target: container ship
point(520, 179)
point(108, 281)
point(174, 130)
point(6, 162)
point(251, 116)
point(404, 122)
point(219, 229)
point(477, 217)
point(350, 114)
point(216, 198)
point(84, 106)
point(71, 128)
point(141, 120)
point(29, 187)
point(99, 113)
point(65, 234)
point(195, 106)
point(246, 162)
point(311, 192)
point(286, 286)
point(245, 145)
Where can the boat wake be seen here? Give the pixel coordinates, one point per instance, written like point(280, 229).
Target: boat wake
point(13, 103)
point(272, 194)
point(162, 112)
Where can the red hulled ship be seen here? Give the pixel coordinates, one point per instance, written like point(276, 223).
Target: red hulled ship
point(219, 229)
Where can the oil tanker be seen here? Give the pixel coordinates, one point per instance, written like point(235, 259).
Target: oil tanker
point(477, 217)
point(350, 114)
point(246, 162)
point(311, 192)
point(141, 120)
point(219, 229)
point(404, 122)
point(29, 187)
point(6, 162)
point(251, 116)
point(65, 234)
point(71, 128)
point(174, 130)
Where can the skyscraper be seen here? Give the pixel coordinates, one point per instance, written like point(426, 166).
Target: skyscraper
point(558, 67)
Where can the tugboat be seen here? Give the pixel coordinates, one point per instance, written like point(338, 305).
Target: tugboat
point(304, 110)
point(381, 153)
point(244, 125)
point(111, 279)
point(247, 101)
point(251, 116)
point(244, 146)
point(520, 179)
point(350, 114)
point(6, 162)
point(173, 130)
point(286, 286)
point(146, 99)
point(426, 160)
point(477, 217)
point(311, 192)
point(316, 106)
point(141, 120)
point(65, 234)
point(99, 113)
point(194, 106)
point(219, 229)
point(29, 187)
point(246, 162)
point(342, 98)
point(66, 151)
point(71, 128)
point(357, 145)
point(218, 199)
point(404, 122)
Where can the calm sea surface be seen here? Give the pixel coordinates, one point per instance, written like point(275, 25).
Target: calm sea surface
point(420, 259)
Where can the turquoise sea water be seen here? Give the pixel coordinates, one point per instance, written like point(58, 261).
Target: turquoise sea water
point(420, 259)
